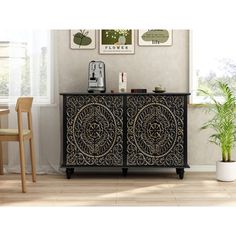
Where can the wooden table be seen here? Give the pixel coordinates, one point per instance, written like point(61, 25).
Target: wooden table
point(2, 112)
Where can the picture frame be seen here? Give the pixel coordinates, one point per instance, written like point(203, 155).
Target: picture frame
point(82, 39)
point(114, 41)
point(155, 37)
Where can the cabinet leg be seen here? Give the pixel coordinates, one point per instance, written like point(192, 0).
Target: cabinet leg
point(69, 172)
point(124, 171)
point(180, 172)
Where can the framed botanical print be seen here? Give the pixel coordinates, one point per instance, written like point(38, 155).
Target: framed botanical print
point(116, 41)
point(155, 37)
point(82, 39)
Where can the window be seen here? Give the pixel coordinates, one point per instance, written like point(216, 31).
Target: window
point(213, 54)
point(25, 65)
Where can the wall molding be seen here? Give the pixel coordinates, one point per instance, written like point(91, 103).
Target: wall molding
point(61, 171)
point(202, 168)
point(193, 168)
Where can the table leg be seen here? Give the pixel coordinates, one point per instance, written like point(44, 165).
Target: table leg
point(1, 160)
point(2, 112)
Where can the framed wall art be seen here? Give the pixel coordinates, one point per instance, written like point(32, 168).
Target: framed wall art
point(82, 39)
point(155, 37)
point(116, 41)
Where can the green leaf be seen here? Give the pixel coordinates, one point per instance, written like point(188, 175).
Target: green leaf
point(82, 39)
point(224, 119)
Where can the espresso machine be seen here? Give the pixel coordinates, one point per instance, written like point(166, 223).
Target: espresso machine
point(96, 77)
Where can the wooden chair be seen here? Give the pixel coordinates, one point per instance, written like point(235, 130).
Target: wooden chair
point(24, 104)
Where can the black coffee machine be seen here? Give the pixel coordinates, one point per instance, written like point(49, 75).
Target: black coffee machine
point(96, 77)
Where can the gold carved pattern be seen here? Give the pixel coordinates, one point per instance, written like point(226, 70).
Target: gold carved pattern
point(94, 127)
point(155, 131)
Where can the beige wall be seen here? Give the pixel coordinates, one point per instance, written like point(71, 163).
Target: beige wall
point(148, 67)
point(168, 66)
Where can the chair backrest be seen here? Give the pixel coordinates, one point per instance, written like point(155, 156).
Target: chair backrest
point(24, 104)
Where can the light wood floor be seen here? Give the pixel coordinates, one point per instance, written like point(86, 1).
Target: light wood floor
point(196, 189)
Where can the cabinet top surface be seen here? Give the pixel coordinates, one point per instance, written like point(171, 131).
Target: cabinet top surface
point(124, 94)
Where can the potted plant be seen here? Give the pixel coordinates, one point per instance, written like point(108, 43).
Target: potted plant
point(223, 124)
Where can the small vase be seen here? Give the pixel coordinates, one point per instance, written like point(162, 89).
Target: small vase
point(121, 40)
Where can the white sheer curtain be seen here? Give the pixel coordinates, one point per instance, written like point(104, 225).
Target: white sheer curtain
point(29, 75)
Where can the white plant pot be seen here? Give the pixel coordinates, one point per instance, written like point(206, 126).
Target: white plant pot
point(226, 171)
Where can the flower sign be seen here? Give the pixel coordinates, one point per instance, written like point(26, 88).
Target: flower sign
point(82, 39)
point(116, 41)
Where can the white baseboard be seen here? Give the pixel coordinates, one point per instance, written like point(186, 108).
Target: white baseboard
point(48, 170)
point(193, 168)
point(201, 168)
point(42, 170)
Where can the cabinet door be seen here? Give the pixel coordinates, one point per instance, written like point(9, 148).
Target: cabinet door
point(93, 130)
point(155, 135)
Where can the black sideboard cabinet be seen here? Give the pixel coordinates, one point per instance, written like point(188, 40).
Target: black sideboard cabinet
point(125, 130)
